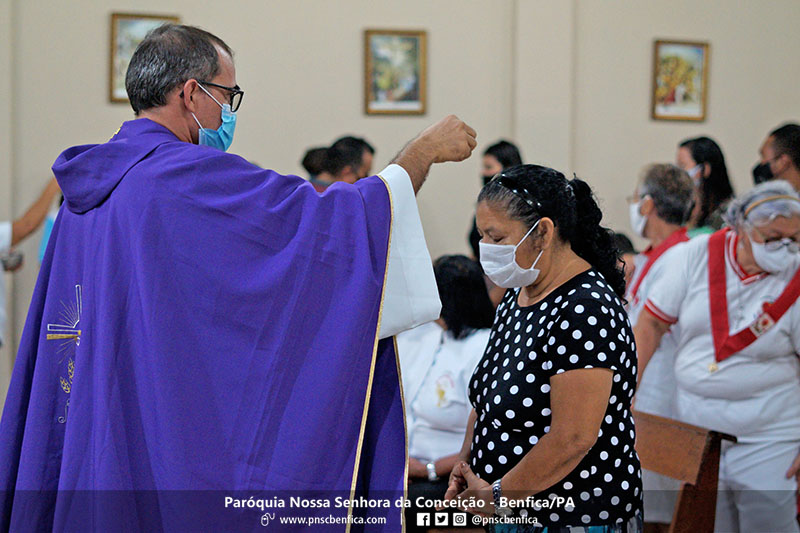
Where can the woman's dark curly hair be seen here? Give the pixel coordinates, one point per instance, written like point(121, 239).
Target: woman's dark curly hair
point(570, 204)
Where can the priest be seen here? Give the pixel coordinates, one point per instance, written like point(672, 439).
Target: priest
point(205, 333)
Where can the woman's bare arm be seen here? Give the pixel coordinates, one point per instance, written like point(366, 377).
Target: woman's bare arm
point(35, 215)
point(647, 332)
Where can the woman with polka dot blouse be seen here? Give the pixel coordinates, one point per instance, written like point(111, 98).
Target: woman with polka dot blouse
point(550, 440)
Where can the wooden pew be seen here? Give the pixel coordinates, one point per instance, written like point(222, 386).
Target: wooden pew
point(689, 454)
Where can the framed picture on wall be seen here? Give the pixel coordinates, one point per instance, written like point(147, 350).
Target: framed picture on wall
point(395, 75)
point(680, 80)
point(127, 31)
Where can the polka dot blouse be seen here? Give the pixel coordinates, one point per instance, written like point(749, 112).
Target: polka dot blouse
point(581, 324)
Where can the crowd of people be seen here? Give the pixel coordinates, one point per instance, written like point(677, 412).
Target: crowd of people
point(197, 310)
point(347, 160)
point(587, 329)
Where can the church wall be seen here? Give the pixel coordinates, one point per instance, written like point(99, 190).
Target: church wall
point(569, 80)
point(301, 65)
point(753, 78)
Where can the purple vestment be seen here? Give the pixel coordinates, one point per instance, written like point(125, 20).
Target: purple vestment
point(201, 328)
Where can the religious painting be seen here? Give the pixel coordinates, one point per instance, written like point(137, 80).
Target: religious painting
point(680, 80)
point(127, 31)
point(395, 72)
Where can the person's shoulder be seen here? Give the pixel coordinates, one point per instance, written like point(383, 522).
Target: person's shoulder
point(418, 332)
point(507, 303)
point(676, 254)
point(477, 338)
point(419, 340)
point(211, 158)
point(696, 241)
point(689, 251)
point(591, 286)
point(472, 349)
point(590, 295)
point(225, 169)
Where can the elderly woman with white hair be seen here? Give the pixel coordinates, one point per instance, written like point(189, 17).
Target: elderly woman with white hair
point(738, 372)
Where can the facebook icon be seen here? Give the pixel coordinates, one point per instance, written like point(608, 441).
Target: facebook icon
point(423, 519)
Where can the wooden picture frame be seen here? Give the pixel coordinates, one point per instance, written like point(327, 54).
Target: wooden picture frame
point(127, 31)
point(680, 80)
point(395, 72)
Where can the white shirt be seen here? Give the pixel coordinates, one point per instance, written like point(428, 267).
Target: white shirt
point(755, 393)
point(5, 244)
point(436, 369)
point(656, 392)
point(411, 297)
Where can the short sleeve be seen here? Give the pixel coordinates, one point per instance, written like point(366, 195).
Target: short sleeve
point(5, 236)
point(589, 333)
point(670, 282)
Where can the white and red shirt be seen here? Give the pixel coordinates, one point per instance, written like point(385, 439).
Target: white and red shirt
point(656, 392)
point(755, 393)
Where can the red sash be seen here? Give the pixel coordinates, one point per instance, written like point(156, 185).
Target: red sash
point(677, 236)
point(726, 344)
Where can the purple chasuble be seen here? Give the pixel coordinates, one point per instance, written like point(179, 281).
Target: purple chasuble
point(202, 332)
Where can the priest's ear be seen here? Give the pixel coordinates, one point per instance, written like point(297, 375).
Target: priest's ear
point(188, 93)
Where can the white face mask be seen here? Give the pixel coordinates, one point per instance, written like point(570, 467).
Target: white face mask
point(499, 262)
point(775, 257)
point(638, 220)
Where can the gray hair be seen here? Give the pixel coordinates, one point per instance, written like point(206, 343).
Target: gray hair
point(671, 189)
point(762, 204)
point(167, 58)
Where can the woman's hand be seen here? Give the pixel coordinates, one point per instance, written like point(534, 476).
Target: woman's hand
point(416, 469)
point(794, 470)
point(456, 484)
point(478, 490)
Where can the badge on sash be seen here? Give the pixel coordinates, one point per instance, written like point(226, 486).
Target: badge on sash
point(762, 324)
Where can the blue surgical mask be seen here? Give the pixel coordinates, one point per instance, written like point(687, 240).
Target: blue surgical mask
point(222, 137)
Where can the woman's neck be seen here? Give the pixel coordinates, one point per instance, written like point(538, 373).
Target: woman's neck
point(565, 264)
